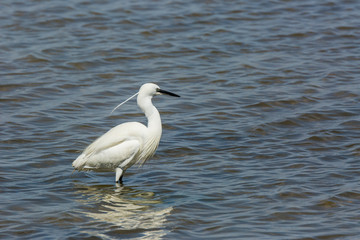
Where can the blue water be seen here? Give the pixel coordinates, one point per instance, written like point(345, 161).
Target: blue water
point(262, 144)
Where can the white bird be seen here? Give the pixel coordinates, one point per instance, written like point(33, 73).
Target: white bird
point(128, 143)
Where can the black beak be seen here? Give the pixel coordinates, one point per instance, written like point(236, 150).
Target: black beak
point(167, 93)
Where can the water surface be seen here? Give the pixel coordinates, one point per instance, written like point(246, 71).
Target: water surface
point(262, 144)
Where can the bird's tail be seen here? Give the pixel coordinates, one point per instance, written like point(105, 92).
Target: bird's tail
point(79, 162)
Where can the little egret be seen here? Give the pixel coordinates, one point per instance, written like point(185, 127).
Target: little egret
point(128, 143)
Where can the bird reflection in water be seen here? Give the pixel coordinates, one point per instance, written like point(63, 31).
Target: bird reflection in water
point(125, 209)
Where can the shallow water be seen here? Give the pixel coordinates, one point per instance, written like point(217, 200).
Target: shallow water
point(262, 144)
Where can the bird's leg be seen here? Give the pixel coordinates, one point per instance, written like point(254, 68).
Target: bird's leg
point(119, 174)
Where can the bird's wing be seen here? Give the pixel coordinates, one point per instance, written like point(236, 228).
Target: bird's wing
point(120, 155)
point(115, 136)
point(118, 144)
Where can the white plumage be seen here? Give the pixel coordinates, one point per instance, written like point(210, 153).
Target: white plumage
point(128, 143)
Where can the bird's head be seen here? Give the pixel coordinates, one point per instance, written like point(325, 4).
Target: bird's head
point(146, 92)
point(151, 89)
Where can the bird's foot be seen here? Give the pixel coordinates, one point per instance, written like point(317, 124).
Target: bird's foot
point(119, 175)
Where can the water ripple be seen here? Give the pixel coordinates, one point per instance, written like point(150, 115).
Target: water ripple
point(262, 144)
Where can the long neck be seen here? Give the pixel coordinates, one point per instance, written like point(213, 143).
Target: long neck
point(151, 113)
